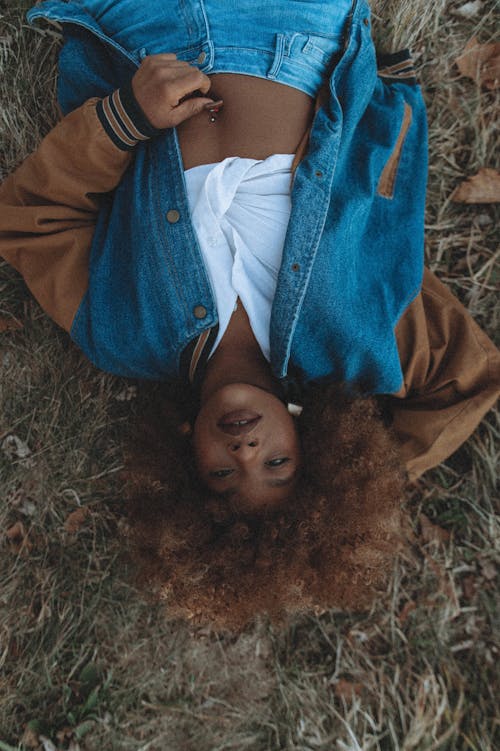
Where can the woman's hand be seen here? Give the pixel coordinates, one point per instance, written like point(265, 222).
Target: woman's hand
point(162, 82)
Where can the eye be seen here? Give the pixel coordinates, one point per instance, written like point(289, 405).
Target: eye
point(278, 462)
point(220, 473)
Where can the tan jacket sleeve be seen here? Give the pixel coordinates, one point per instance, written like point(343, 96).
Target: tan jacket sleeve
point(451, 377)
point(48, 209)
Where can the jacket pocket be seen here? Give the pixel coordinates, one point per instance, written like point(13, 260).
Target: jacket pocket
point(388, 177)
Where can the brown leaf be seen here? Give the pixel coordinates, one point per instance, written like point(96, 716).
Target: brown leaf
point(30, 738)
point(432, 532)
point(481, 188)
point(469, 587)
point(18, 538)
point(9, 324)
point(344, 689)
point(65, 734)
point(76, 519)
point(407, 608)
point(481, 62)
point(446, 585)
point(16, 532)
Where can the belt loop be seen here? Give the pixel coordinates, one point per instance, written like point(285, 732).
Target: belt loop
point(208, 64)
point(278, 56)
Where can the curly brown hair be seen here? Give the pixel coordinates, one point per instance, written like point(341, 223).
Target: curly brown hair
point(331, 544)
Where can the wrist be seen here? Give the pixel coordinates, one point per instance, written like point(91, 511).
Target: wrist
point(123, 119)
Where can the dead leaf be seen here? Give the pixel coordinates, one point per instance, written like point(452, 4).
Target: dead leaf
point(9, 324)
point(47, 744)
point(446, 585)
point(27, 507)
point(344, 689)
point(407, 608)
point(469, 10)
point(488, 570)
point(432, 532)
point(469, 587)
point(16, 531)
point(18, 538)
point(76, 519)
point(481, 188)
point(481, 62)
point(64, 735)
point(15, 448)
point(18, 500)
point(30, 738)
point(127, 394)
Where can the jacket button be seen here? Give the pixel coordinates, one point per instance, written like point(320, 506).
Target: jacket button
point(173, 216)
point(295, 267)
point(201, 57)
point(366, 21)
point(200, 311)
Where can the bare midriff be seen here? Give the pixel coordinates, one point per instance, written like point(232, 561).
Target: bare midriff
point(259, 118)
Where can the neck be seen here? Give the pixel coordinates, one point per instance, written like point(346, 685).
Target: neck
point(237, 359)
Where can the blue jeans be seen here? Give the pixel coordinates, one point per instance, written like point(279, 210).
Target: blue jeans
point(288, 41)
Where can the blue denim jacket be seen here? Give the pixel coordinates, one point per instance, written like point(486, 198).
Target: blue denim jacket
point(353, 254)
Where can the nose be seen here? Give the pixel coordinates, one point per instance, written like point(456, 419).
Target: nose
point(244, 450)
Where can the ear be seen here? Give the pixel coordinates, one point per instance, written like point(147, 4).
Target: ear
point(185, 429)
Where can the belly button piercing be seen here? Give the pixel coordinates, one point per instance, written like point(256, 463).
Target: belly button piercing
point(213, 110)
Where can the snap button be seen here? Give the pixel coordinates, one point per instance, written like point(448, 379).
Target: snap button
point(173, 216)
point(295, 267)
point(318, 173)
point(200, 311)
point(201, 57)
point(366, 21)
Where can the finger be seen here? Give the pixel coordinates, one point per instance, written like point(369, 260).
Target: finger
point(190, 81)
point(205, 86)
point(189, 108)
point(167, 64)
point(163, 56)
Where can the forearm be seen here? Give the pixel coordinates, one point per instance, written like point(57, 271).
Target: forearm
point(451, 377)
point(49, 206)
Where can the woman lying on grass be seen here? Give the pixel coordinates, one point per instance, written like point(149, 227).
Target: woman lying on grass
point(233, 203)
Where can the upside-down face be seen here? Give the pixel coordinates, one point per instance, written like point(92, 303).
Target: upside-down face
point(247, 446)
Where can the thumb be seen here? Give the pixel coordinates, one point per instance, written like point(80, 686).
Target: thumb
point(192, 107)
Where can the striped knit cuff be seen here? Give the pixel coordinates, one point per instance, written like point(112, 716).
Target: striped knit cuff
point(123, 119)
point(397, 67)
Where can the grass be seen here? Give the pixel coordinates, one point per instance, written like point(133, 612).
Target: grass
point(87, 663)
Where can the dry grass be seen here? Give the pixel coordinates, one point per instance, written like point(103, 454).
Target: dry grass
point(86, 663)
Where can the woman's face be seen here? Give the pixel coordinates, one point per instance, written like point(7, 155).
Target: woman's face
point(246, 446)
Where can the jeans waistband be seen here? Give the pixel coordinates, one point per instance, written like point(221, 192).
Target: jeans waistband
point(288, 41)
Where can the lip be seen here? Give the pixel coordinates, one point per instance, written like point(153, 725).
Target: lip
point(230, 422)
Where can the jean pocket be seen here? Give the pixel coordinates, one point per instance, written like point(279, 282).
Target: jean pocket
point(387, 179)
point(321, 48)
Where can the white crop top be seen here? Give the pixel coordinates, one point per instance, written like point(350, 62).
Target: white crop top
point(240, 210)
